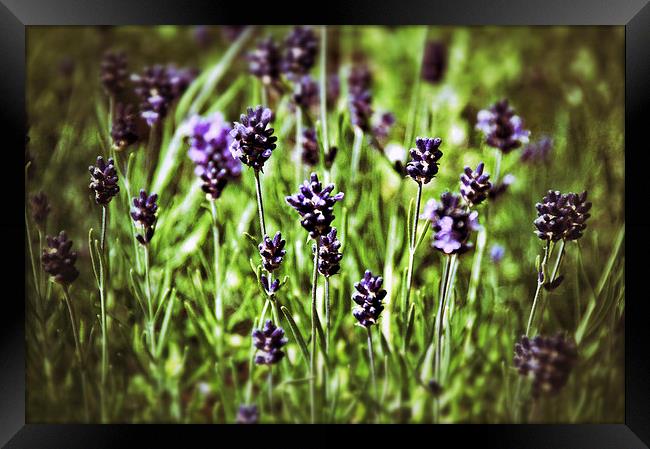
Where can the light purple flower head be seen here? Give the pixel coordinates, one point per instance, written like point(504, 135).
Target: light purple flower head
point(452, 224)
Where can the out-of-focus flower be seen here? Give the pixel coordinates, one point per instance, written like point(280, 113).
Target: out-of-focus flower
point(537, 152)
point(253, 141)
point(315, 205)
point(58, 259)
point(369, 297)
point(40, 206)
point(103, 181)
point(272, 251)
point(497, 252)
point(333, 90)
point(547, 360)
point(434, 62)
point(562, 216)
point(310, 151)
point(301, 46)
point(269, 341)
point(423, 165)
point(113, 72)
point(381, 128)
point(248, 414)
point(330, 156)
point(359, 97)
point(501, 127)
point(475, 185)
point(305, 92)
point(452, 224)
point(502, 187)
point(203, 36)
point(264, 61)
point(143, 213)
point(329, 257)
point(124, 129)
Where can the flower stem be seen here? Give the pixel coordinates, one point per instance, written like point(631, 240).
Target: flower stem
point(558, 261)
point(497, 166)
point(298, 149)
point(371, 359)
point(323, 90)
point(540, 282)
point(260, 204)
point(314, 337)
point(412, 243)
point(439, 319)
point(218, 306)
point(356, 150)
point(80, 359)
point(150, 323)
point(103, 289)
point(328, 315)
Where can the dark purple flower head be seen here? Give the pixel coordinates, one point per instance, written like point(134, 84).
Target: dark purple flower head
point(253, 141)
point(434, 62)
point(158, 87)
point(103, 181)
point(475, 185)
point(264, 61)
point(40, 207)
point(423, 165)
point(359, 97)
point(315, 205)
point(497, 252)
point(537, 152)
point(329, 257)
point(310, 150)
point(58, 259)
point(269, 341)
point(248, 414)
point(210, 140)
point(547, 360)
point(113, 73)
point(272, 251)
point(301, 46)
point(562, 216)
point(452, 224)
point(368, 296)
point(502, 128)
point(143, 213)
point(305, 92)
point(124, 129)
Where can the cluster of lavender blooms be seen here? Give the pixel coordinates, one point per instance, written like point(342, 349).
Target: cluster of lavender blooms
point(158, 87)
point(209, 140)
point(548, 360)
point(562, 216)
point(103, 181)
point(40, 207)
point(329, 257)
point(248, 414)
point(143, 213)
point(315, 204)
point(537, 152)
point(124, 129)
point(475, 185)
point(423, 165)
point(502, 128)
point(369, 297)
point(58, 259)
point(360, 97)
point(264, 62)
point(305, 93)
point(269, 341)
point(434, 62)
point(113, 72)
point(272, 252)
point(253, 141)
point(451, 222)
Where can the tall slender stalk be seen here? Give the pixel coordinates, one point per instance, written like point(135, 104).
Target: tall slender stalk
point(323, 95)
point(150, 318)
point(328, 315)
point(441, 310)
point(260, 204)
point(314, 337)
point(103, 289)
point(540, 281)
point(412, 243)
point(80, 358)
point(298, 148)
point(356, 150)
point(218, 306)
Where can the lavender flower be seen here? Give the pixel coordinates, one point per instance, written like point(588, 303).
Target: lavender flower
point(124, 129)
point(381, 128)
point(58, 259)
point(502, 128)
point(562, 216)
point(103, 181)
point(113, 73)
point(248, 414)
point(315, 205)
point(360, 98)
point(423, 165)
point(253, 142)
point(329, 257)
point(475, 185)
point(270, 288)
point(452, 224)
point(264, 61)
point(300, 55)
point(210, 140)
point(537, 152)
point(368, 297)
point(310, 152)
point(272, 251)
point(305, 92)
point(269, 342)
point(497, 252)
point(434, 62)
point(548, 360)
point(143, 213)
point(40, 206)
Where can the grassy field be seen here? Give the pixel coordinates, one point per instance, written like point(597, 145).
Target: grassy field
point(162, 332)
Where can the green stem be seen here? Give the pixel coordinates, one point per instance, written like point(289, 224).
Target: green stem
point(218, 306)
point(314, 337)
point(356, 150)
point(558, 261)
point(323, 90)
point(298, 148)
point(538, 290)
point(328, 315)
point(497, 166)
point(371, 359)
point(80, 359)
point(260, 204)
point(270, 384)
point(439, 318)
point(150, 323)
point(103, 289)
point(412, 243)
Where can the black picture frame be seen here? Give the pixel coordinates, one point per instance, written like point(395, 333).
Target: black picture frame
point(15, 15)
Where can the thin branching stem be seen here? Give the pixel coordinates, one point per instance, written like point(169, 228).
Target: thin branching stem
point(328, 315)
point(412, 243)
point(540, 282)
point(314, 337)
point(77, 344)
point(323, 96)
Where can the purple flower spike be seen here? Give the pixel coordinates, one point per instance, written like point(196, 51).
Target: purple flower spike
point(452, 224)
point(368, 296)
point(272, 251)
point(475, 185)
point(562, 216)
point(58, 259)
point(329, 257)
point(315, 205)
point(305, 92)
point(103, 181)
point(253, 141)
point(310, 151)
point(113, 73)
point(423, 165)
point(248, 414)
point(269, 342)
point(124, 130)
point(434, 62)
point(502, 128)
point(264, 61)
point(300, 55)
point(143, 213)
point(360, 98)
